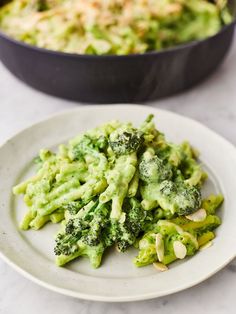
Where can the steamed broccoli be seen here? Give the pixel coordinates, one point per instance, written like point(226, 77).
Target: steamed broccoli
point(176, 197)
point(135, 216)
point(73, 229)
point(183, 160)
point(74, 207)
point(180, 198)
point(124, 236)
point(88, 145)
point(125, 233)
point(152, 169)
point(66, 244)
point(75, 226)
point(128, 231)
point(98, 222)
point(125, 141)
point(94, 253)
point(82, 231)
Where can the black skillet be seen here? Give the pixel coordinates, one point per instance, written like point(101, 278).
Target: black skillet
point(116, 79)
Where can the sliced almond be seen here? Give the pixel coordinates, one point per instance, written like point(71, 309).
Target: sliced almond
point(159, 247)
point(179, 249)
point(206, 246)
point(160, 266)
point(122, 218)
point(199, 215)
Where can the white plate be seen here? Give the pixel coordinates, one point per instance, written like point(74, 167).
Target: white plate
point(31, 252)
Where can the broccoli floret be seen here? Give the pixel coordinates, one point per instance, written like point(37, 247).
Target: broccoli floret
point(66, 244)
point(117, 233)
point(83, 147)
point(94, 226)
point(179, 197)
point(82, 232)
point(125, 237)
point(135, 217)
point(87, 145)
point(74, 207)
point(125, 142)
point(92, 238)
point(188, 199)
point(125, 234)
point(152, 169)
point(176, 197)
point(76, 226)
point(94, 253)
point(110, 233)
point(97, 224)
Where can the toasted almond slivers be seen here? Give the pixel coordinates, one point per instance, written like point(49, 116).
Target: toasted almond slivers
point(199, 215)
point(179, 249)
point(160, 266)
point(206, 246)
point(122, 218)
point(159, 247)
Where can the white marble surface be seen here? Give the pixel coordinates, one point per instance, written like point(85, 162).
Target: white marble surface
point(214, 104)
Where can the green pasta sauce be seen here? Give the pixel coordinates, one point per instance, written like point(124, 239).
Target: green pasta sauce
point(121, 185)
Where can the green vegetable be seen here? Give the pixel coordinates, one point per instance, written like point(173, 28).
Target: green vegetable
point(118, 185)
point(124, 142)
point(94, 253)
point(152, 169)
point(82, 234)
point(178, 197)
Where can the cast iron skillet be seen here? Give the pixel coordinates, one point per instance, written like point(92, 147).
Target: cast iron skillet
point(116, 79)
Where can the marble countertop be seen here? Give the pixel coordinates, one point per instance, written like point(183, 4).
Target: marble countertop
point(213, 103)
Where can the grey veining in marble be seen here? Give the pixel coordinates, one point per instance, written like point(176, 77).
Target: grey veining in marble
point(213, 102)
